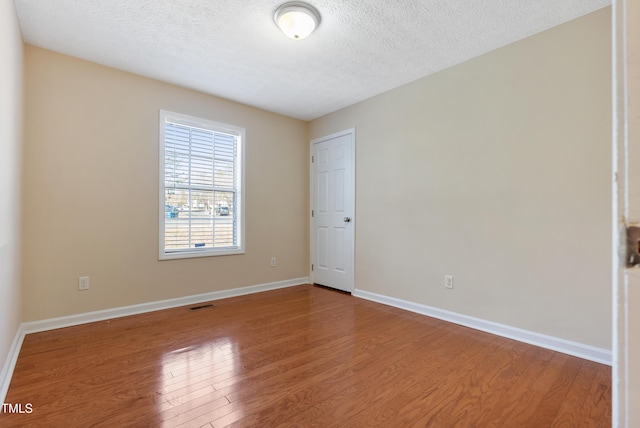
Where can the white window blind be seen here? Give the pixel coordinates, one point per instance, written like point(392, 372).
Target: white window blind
point(201, 187)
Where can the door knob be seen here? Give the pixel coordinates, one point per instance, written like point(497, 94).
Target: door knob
point(347, 219)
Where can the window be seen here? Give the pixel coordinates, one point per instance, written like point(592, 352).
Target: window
point(201, 197)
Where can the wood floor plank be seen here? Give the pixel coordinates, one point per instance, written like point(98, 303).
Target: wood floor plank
point(302, 356)
point(440, 388)
point(385, 378)
point(526, 369)
point(557, 393)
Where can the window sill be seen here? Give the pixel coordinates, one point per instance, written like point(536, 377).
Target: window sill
point(198, 254)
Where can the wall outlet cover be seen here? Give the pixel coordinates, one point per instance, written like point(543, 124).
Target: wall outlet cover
point(83, 283)
point(448, 281)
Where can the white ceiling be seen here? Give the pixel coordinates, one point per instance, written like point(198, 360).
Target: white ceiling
point(232, 48)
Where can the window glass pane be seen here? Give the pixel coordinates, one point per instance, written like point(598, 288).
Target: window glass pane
point(201, 219)
point(224, 231)
point(225, 224)
point(202, 172)
point(201, 157)
point(176, 154)
point(224, 176)
point(202, 230)
point(178, 198)
point(201, 202)
point(225, 147)
point(224, 203)
point(176, 220)
point(225, 152)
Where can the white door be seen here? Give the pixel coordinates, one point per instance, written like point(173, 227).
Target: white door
point(332, 208)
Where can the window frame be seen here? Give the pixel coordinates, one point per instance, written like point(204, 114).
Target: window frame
point(239, 172)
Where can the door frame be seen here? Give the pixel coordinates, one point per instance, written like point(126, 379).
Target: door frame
point(352, 132)
point(626, 211)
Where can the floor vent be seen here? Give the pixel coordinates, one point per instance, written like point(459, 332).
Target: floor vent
point(196, 308)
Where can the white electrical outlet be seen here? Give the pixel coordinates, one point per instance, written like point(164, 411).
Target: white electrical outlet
point(273, 262)
point(83, 283)
point(448, 281)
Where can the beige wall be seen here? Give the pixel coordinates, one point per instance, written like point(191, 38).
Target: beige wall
point(10, 144)
point(91, 191)
point(496, 171)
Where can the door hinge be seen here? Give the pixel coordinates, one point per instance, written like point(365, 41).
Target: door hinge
point(312, 159)
point(311, 268)
point(312, 214)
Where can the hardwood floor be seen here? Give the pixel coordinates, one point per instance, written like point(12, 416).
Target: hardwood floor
point(304, 356)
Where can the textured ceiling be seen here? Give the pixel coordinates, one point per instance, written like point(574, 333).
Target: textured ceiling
point(232, 48)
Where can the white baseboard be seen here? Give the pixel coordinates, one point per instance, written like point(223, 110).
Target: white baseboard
point(71, 320)
point(587, 352)
point(10, 363)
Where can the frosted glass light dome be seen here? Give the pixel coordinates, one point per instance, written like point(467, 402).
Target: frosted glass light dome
point(296, 19)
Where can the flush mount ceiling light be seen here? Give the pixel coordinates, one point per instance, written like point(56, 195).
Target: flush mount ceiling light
point(297, 19)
